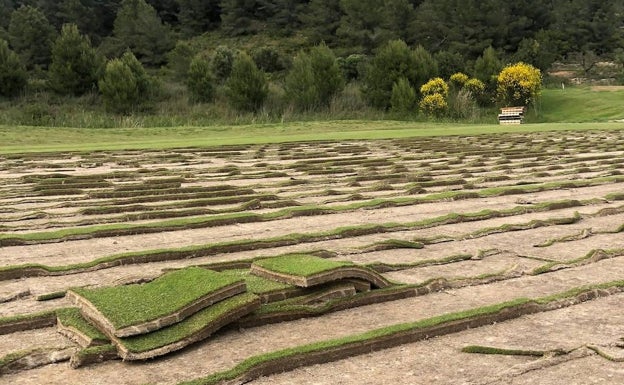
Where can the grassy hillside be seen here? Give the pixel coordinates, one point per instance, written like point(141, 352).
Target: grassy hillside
point(581, 104)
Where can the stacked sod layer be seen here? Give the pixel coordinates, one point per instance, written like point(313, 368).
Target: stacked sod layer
point(308, 271)
point(167, 314)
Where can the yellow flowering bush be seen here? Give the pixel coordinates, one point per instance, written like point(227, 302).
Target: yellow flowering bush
point(433, 104)
point(519, 84)
point(435, 86)
point(475, 86)
point(458, 80)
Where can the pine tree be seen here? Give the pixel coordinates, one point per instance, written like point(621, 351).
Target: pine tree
point(13, 76)
point(314, 79)
point(200, 80)
point(199, 16)
point(75, 64)
point(139, 28)
point(247, 87)
point(394, 61)
point(321, 19)
point(31, 36)
point(119, 87)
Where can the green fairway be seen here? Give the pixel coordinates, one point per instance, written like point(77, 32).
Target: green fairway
point(49, 139)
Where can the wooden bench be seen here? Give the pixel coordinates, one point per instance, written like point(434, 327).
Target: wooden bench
point(511, 115)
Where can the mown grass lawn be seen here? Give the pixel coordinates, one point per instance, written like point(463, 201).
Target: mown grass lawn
point(49, 139)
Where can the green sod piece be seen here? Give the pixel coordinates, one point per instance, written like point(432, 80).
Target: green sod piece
point(72, 324)
point(195, 328)
point(136, 309)
point(300, 264)
point(307, 270)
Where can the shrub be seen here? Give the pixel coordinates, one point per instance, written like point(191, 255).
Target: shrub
point(75, 64)
point(433, 104)
point(475, 86)
point(403, 98)
point(222, 62)
point(200, 80)
point(351, 66)
point(119, 87)
point(519, 84)
point(246, 88)
point(268, 59)
point(458, 80)
point(180, 59)
point(435, 86)
point(463, 105)
point(13, 76)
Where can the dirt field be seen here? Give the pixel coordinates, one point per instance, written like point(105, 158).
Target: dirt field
point(498, 217)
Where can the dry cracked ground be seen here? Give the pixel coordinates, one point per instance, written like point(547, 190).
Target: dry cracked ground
point(500, 217)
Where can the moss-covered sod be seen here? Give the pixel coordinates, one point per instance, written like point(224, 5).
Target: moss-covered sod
point(195, 328)
point(123, 311)
point(73, 325)
point(307, 271)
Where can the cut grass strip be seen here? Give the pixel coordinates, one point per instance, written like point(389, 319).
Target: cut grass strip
point(591, 257)
point(584, 233)
point(8, 239)
point(34, 270)
point(332, 350)
point(195, 328)
point(27, 322)
point(73, 325)
point(137, 309)
point(51, 296)
point(477, 349)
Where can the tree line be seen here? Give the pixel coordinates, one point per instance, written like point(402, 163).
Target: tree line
point(79, 46)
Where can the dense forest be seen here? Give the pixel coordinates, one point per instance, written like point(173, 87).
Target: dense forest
point(198, 44)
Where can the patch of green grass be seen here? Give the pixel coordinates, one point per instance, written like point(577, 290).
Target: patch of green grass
point(557, 105)
point(130, 305)
point(28, 317)
point(47, 139)
point(300, 265)
point(51, 296)
point(255, 284)
point(71, 317)
point(188, 327)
